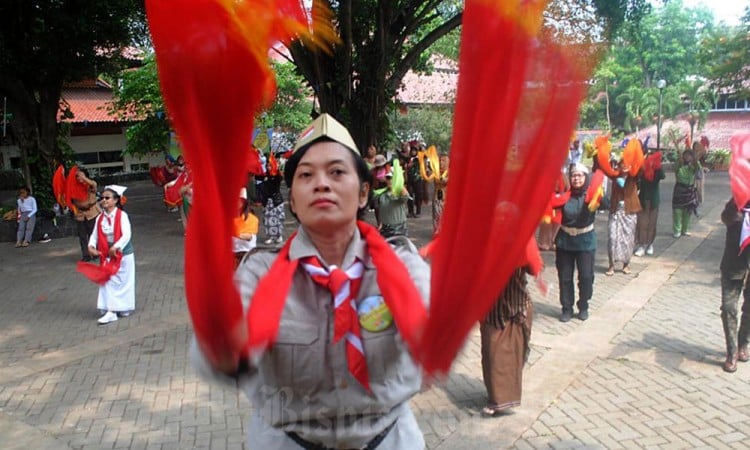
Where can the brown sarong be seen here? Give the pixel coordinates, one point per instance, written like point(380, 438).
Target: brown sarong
point(504, 353)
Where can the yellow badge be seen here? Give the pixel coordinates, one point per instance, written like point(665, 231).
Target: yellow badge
point(374, 315)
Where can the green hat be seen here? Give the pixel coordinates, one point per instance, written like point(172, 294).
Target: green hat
point(326, 126)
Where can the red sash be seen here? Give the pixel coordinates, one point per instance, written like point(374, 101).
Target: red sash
point(108, 266)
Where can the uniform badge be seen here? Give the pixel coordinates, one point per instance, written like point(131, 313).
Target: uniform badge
point(374, 315)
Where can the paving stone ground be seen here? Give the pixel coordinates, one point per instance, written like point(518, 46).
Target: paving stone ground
point(642, 372)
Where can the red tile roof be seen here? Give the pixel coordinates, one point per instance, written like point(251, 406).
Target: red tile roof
point(89, 101)
point(437, 88)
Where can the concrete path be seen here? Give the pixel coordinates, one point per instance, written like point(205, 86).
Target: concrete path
point(642, 372)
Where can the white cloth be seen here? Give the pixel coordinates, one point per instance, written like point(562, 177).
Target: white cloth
point(118, 294)
point(108, 227)
point(243, 246)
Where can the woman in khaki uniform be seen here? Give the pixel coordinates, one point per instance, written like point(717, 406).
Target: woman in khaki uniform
point(318, 385)
point(86, 212)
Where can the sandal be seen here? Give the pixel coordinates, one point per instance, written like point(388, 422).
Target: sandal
point(609, 272)
point(491, 411)
point(626, 270)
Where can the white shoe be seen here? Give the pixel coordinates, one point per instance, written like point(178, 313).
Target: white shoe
point(268, 241)
point(639, 251)
point(107, 318)
point(650, 250)
point(280, 239)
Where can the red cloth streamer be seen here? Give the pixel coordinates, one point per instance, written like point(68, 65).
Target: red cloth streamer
point(172, 194)
point(214, 73)
point(526, 92)
point(157, 175)
point(651, 165)
point(75, 190)
point(59, 186)
point(254, 164)
point(603, 150)
point(739, 169)
point(273, 165)
point(632, 156)
point(594, 189)
point(108, 265)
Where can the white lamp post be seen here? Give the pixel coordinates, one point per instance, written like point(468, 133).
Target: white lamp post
point(661, 84)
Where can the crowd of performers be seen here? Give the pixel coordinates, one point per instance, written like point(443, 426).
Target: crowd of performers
point(403, 182)
point(628, 189)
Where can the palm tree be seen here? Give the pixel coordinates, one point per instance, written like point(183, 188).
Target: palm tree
point(697, 100)
point(638, 103)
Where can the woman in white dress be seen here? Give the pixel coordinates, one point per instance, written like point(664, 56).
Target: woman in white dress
point(111, 242)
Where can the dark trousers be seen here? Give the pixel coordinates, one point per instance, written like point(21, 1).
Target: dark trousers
point(417, 192)
point(85, 228)
point(730, 294)
point(566, 261)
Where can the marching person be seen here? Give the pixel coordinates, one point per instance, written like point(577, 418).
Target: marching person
point(576, 245)
point(649, 196)
point(506, 335)
point(86, 212)
point(684, 196)
point(734, 282)
point(337, 375)
point(110, 241)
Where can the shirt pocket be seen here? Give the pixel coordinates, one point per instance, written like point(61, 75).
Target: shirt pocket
point(296, 359)
point(382, 353)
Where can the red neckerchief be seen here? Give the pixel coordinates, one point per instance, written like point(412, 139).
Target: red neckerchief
point(398, 289)
point(108, 266)
point(344, 287)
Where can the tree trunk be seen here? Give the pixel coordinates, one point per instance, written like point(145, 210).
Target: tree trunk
point(357, 81)
point(34, 127)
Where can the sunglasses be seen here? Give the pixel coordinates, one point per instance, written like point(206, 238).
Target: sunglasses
point(107, 198)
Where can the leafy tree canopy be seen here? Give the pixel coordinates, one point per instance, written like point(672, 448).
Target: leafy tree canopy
point(139, 100)
point(44, 43)
point(726, 54)
point(664, 44)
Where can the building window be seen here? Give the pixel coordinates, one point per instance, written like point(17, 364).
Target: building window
point(95, 160)
point(728, 102)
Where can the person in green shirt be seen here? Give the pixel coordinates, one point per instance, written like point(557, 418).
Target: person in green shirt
point(392, 205)
point(684, 197)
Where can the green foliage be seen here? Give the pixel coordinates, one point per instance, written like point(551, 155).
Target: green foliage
point(10, 180)
point(139, 100)
point(448, 45)
point(726, 54)
point(662, 45)
point(431, 125)
point(44, 43)
point(719, 156)
point(290, 111)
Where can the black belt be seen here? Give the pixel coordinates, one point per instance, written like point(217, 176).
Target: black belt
point(307, 445)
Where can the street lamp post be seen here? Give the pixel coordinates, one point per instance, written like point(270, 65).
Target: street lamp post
point(659, 84)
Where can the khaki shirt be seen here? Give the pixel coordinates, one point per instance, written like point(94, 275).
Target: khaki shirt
point(302, 384)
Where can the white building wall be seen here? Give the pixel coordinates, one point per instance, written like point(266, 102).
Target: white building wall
point(92, 144)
